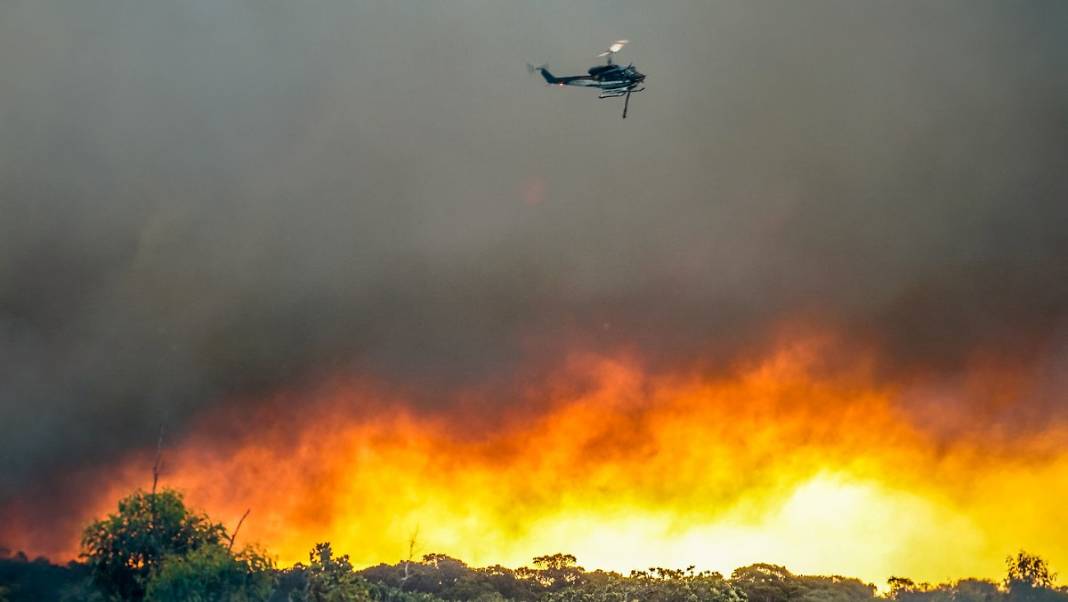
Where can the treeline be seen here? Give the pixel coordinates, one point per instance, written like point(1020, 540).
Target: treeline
point(155, 549)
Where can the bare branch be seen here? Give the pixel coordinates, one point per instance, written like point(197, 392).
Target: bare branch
point(411, 553)
point(155, 480)
point(159, 461)
point(233, 536)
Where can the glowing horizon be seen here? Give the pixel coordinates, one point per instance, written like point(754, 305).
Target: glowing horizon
point(773, 462)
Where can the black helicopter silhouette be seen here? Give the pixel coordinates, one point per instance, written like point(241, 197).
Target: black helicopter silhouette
point(613, 80)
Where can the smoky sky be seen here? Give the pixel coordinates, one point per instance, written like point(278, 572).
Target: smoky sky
point(201, 200)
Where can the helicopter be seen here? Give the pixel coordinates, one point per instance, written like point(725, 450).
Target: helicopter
point(613, 80)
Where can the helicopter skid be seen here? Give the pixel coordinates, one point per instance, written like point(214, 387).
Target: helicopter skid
point(618, 93)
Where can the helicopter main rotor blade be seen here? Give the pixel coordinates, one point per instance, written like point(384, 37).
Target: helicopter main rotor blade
point(614, 48)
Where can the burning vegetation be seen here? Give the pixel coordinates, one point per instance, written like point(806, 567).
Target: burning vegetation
point(157, 550)
point(621, 466)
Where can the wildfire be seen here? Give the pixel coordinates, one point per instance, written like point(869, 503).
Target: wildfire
point(773, 461)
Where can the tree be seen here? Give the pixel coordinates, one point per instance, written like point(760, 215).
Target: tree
point(975, 590)
point(381, 592)
point(835, 588)
point(38, 579)
point(330, 579)
point(1028, 571)
point(900, 586)
point(439, 576)
point(504, 582)
point(553, 572)
point(1030, 579)
point(654, 585)
point(212, 572)
point(764, 582)
point(123, 549)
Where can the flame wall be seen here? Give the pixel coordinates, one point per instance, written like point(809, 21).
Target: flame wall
point(774, 460)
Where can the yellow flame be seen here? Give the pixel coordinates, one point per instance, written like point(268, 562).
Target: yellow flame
point(773, 462)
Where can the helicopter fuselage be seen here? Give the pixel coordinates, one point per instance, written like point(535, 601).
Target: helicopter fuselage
point(613, 80)
point(605, 77)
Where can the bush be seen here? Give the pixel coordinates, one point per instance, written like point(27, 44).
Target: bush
point(210, 573)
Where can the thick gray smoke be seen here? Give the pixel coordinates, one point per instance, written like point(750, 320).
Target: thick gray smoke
point(200, 200)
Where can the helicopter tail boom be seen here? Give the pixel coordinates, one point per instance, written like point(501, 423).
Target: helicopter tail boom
point(549, 77)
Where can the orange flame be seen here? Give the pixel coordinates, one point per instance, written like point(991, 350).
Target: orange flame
point(775, 462)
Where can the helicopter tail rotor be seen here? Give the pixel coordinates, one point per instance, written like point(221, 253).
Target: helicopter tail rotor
point(544, 71)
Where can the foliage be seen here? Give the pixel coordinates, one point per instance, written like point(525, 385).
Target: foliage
point(445, 578)
point(1028, 571)
point(155, 549)
point(123, 549)
point(975, 590)
point(766, 583)
point(211, 572)
point(330, 579)
point(555, 577)
point(900, 587)
point(965, 590)
point(553, 572)
point(381, 592)
point(22, 579)
point(835, 588)
point(773, 583)
point(84, 590)
point(654, 585)
point(1028, 579)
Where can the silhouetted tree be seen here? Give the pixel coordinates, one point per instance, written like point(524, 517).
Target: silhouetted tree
point(834, 588)
point(23, 579)
point(505, 582)
point(553, 572)
point(123, 549)
point(975, 590)
point(1029, 579)
point(900, 587)
point(330, 579)
point(1028, 570)
point(446, 578)
point(654, 585)
point(764, 582)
